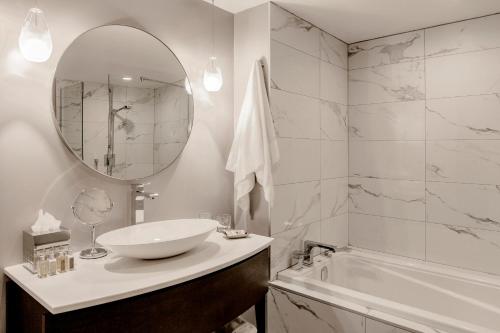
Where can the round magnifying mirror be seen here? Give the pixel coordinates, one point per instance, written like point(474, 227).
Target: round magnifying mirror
point(122, 102)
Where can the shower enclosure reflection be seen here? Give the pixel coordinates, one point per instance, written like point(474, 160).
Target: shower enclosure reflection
point(124, 112)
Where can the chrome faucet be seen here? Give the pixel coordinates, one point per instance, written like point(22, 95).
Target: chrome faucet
point(137, 205)
point(304, 258)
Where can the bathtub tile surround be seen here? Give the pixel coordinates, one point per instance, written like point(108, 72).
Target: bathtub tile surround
point(293, 313)
point(309, 109)
point(424, 175)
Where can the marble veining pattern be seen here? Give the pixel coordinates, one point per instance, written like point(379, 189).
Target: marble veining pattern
point(464, 247)
point(295, 205)
point(294, 71)
point(424, 168)
point(288, 241)
point(466, 36)
point(334, 120)
point(333, 50)
point(469, 117)
point(156, 117)
point(391, 198)
point(295, 313)
point(465, 74)
point(458, 161)
point(388, 83)
point(333, 197)
point(387, 121)
point(294, 31)
point(309, 110)
point(388, 50)
point(335, 230)
point(403, 160)
point(295, 116)
point(333, 83)
point(386, 234)
point(467, 205)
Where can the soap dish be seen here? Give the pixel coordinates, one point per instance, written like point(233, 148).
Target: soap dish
point(234, 234)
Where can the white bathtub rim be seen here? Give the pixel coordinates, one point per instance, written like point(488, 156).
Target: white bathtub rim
point(299, 282)
point(355, 308)
point(491, 280)
point(332, 294)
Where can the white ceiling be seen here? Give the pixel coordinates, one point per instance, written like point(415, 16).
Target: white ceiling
point(356, 20)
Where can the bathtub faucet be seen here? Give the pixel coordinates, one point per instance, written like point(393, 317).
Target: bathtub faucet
point(309, 245)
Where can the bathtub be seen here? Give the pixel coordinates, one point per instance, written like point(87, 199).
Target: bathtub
point(419, 296)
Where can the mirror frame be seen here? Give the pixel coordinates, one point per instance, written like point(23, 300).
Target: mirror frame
point(63, 139)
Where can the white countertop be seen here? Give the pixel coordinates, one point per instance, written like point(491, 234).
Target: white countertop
point(98, 281)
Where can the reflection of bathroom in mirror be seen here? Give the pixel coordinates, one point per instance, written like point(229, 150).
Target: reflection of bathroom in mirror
point(123, 102)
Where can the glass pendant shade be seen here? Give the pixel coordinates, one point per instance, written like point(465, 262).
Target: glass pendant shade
point(212, 77)
point(35, 42)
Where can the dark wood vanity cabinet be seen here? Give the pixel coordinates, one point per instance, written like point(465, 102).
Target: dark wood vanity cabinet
point(201, 305)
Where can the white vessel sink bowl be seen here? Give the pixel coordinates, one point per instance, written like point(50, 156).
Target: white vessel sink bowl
point(156, 240)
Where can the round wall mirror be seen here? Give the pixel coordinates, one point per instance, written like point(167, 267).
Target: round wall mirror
point(122, 102)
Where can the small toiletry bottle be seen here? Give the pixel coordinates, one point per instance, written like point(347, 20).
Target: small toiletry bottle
point(52, 264)
point(66, 260)
point(70, 260)
point(43, 266)
point(61, 262)
point(36, 261)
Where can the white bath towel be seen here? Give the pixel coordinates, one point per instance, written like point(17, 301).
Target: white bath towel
point(255, 150)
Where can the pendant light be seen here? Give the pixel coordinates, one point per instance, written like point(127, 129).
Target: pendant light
point(212, 76)
point(35, 42)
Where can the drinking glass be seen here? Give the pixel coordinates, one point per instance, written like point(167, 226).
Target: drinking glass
point(224, 222)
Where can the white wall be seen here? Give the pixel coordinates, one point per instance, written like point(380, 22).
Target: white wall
point(36, 169)
point(251, 43)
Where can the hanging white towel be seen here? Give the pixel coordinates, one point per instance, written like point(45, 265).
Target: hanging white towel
point(255, 150)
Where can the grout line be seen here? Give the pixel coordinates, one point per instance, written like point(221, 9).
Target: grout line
point(307, 53)
point(463, 226)
point(421, 180)
point(311, 181)
point(426, 28)
point(386, 102)
point(311, 139)
point(389, 217)
point(386, 140)
point(425, 150)
point(387, 179)
point(425, 57)
point(430, 56)
point(307, 96)
point(427, 99)
point(414, 59)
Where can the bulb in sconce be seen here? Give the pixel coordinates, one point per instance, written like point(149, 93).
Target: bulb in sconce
point(187, 86)
point(212, 77)
point(35, 41)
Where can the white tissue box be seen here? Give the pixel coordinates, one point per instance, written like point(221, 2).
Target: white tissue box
point(33, 242)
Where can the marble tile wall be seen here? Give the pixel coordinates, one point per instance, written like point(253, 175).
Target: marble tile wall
point(292, 313)
point(424, 144)
point(88, 134)
point(148, 137)
point(171, 125)
point(309, 109)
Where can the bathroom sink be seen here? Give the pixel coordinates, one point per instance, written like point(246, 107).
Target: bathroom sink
point(160, 239)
